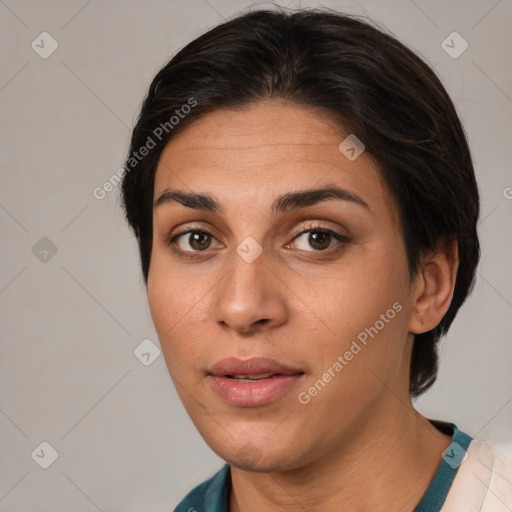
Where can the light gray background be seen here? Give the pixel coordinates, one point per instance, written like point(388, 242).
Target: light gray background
point(69, 325)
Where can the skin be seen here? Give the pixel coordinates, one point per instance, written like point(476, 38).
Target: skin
point(358, 443)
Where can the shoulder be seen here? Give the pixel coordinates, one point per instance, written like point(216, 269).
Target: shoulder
point(484, 479)
point(211, 495)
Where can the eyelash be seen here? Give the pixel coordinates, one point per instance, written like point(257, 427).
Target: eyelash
point(189, 229)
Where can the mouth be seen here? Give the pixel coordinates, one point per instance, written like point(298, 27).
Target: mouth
point(251, 378)
point(252, 382)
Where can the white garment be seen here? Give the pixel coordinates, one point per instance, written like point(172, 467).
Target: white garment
point(483, 482)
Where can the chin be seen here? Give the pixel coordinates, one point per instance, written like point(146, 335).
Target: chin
point(254, 445)
point(263, 465)
point(259, 457)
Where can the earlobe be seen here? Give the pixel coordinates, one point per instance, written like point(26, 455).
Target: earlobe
point(433, 291)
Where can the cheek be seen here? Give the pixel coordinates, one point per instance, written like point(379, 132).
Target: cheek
point(362, 288)
point(165, 310)
point(363, 301)
point(177, 306)
point(170, 293)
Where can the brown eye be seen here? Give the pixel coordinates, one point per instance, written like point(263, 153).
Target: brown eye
point(197, 240)
point(319, 239)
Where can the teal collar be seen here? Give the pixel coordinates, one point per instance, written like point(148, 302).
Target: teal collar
point(437, 491)
point(213, 494)
point(210, 496)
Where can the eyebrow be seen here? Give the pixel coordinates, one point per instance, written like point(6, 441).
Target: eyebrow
point(290, 201)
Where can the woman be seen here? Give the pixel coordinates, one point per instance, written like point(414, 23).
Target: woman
point(305, 204)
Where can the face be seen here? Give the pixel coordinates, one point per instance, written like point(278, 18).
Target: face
point(282, 314)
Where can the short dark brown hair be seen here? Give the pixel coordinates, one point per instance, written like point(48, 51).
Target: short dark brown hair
point(362, 77)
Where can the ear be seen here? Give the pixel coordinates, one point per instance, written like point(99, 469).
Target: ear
point(433, 287)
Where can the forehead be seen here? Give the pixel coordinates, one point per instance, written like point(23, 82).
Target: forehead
point(265, 150)
point(275, 129)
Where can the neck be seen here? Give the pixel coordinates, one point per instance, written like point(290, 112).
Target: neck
point(386, 465)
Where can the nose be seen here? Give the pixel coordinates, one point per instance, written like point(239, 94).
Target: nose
point(250, 297)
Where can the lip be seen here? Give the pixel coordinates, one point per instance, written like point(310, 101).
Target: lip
point(252, 394)
point(253, 366)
